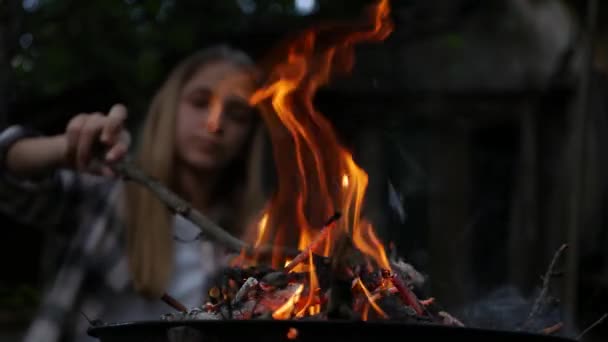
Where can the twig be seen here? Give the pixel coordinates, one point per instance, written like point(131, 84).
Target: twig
point(314, 244)
point(408, 297)
point(552, 329)
point(543, 293)
point(174, 303)
point(599, 321)
point(92, 322)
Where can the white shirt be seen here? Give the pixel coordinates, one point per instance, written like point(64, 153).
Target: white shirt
point(195, 260)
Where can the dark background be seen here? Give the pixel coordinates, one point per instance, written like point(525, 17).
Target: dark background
point(487, 119)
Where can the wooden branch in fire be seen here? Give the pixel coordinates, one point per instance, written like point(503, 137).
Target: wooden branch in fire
point(319, 239)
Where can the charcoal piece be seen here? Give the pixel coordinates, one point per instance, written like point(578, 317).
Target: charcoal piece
point(276, 279)
point(198, 314)
point(340, 300)
point(323, 268)
point(226, 311)
point(371, 280)
point(395, 309)
point(265, 315)
point(249, 286)
point(259, 271)
point(235, 273)
point(297, 277)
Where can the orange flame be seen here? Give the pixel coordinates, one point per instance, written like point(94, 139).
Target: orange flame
point(313, 284)
point(371, 300)
point(284, 312)
point(316, 174)
point(367, 242)
point(261, 230)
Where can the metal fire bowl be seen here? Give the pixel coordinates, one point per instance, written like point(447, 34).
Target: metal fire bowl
point(303, 331)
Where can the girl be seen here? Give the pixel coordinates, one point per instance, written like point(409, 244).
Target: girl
point(200, 138)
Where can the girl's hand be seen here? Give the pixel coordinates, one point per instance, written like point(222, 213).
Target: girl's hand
point(86, 131)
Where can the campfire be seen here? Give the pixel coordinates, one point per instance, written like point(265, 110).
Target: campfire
point(342, 270)
point(311, 287)
point(312, 255)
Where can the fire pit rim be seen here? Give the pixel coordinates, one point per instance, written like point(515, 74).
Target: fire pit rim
point(220, 325)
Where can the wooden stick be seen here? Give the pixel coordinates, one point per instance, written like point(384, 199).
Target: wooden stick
point(545, 289)
point(408, 297)
point(131, 172)
point(314, 244)
point(552, 329)
point(599, 321)
point(174, 303)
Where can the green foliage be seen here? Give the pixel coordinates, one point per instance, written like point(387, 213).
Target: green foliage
point(131, 44)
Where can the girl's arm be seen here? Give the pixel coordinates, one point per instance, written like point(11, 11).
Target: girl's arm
point(44, 177)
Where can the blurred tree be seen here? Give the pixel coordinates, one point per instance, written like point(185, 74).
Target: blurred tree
point(68, 47)
point(9, 26)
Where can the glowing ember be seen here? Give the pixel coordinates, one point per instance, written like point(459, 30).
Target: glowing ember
point(286, 310)
point(292, 333)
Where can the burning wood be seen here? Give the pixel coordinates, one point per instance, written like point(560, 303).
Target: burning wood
point(281, 294)
point(319, 239)
point(172, 302)
point(406, 294)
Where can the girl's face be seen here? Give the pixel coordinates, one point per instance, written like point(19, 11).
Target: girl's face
point(214, 118)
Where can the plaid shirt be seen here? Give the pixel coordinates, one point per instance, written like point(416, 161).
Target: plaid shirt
point(94, 261)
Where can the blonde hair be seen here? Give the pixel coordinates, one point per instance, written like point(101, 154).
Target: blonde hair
point(149, 223)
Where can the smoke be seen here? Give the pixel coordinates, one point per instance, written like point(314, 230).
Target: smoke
point(507, 309)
